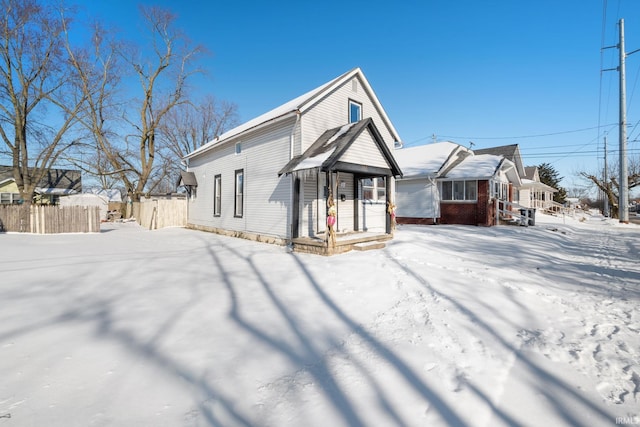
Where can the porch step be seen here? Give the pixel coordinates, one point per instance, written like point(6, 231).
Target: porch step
point(367, 246)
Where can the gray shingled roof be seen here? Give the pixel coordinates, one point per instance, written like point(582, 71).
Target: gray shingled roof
point(509, 152)
point(65, 179)
point(333, 143)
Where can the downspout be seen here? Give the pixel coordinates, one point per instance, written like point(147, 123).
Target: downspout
point(185, 162)
point(292, 138)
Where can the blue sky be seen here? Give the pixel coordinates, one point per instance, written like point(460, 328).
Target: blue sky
point(488, 72)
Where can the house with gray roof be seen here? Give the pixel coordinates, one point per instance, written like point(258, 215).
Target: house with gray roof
point(446, 183)
point(277, 178)
point(55, 183)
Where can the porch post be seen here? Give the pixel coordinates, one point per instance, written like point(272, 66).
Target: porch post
point(388, 214)
point(356, 200)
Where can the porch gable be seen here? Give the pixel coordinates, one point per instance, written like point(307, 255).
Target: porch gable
point(346, 147)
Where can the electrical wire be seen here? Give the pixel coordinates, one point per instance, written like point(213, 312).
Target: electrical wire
point(526, 136)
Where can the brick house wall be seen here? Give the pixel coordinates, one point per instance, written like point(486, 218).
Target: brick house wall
point(480, 213)
point(419, 221)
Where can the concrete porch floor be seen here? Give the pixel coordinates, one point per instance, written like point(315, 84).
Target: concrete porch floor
point(344, 243)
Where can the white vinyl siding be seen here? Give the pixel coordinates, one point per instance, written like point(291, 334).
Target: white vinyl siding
point(266, 196)
point(364, 151)
point(417, 198)
point(331, 111)
point(310, 204)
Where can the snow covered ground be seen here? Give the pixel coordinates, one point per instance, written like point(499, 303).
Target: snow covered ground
point(446, 326)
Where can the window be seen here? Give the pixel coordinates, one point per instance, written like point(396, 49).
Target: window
point(500, 190)
point(374, 189)
point(239, 194)
point(355, 111)
point(238, 147)
point(9, 198)
point(471, 190)
point(217, 195)
point(459, 191)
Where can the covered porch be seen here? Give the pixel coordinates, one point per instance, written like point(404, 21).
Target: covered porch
point(342, 190)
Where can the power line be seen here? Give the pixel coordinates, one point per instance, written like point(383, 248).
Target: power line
point(527, 136)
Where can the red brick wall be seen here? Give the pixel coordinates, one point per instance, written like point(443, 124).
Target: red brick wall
point(480, 213)
point(409, 220)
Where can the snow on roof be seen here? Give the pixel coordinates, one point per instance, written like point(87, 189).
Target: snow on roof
point(283, 110)
point(319, 159)
point(479, 166)
point(292, 107)
point(424, 159)
point(55, 191)
point(112, 194)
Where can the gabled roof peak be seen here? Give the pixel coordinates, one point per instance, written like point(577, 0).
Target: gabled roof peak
point(296, 106)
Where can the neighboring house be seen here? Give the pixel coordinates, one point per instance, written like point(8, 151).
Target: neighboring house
point(270, 178)
point(418, 193)
point(450, 184)
point(532, 193)
point(510, 152)
point(9, 193)
point(87, 199)
point(55, 183)
point(535, 194)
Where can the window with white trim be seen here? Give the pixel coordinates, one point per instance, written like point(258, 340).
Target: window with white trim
point(217, 195)
point(239, 194)
point(374, 189)
point(463, 191)
point(355, 111)
point(500, 190)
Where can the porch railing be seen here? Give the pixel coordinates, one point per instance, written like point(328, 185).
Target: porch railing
point(514, 212)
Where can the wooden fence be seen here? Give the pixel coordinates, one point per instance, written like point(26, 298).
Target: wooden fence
point(154, 214)
point(51, 219)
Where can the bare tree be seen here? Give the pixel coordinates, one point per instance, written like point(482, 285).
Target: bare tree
point(610, 186)
point(162, 71)
point(188, 126)
point(39, 105)
point(99, 74)
point(163, 81)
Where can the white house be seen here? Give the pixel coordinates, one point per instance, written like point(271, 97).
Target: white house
point(270, 178)
point(535, 194)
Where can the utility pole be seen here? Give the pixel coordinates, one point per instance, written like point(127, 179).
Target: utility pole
point(623, 194)
point(605, 210)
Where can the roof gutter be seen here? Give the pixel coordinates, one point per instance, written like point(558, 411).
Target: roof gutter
point(219, 143)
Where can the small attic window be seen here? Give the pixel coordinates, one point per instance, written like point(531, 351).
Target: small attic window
point(355, 111)
point(238, 147)
point(354, 85)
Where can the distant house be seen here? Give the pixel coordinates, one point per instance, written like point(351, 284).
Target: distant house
point(447, 183)
point(271, 178)
point(87, 199)
point(535, 194)
point(56, 183)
